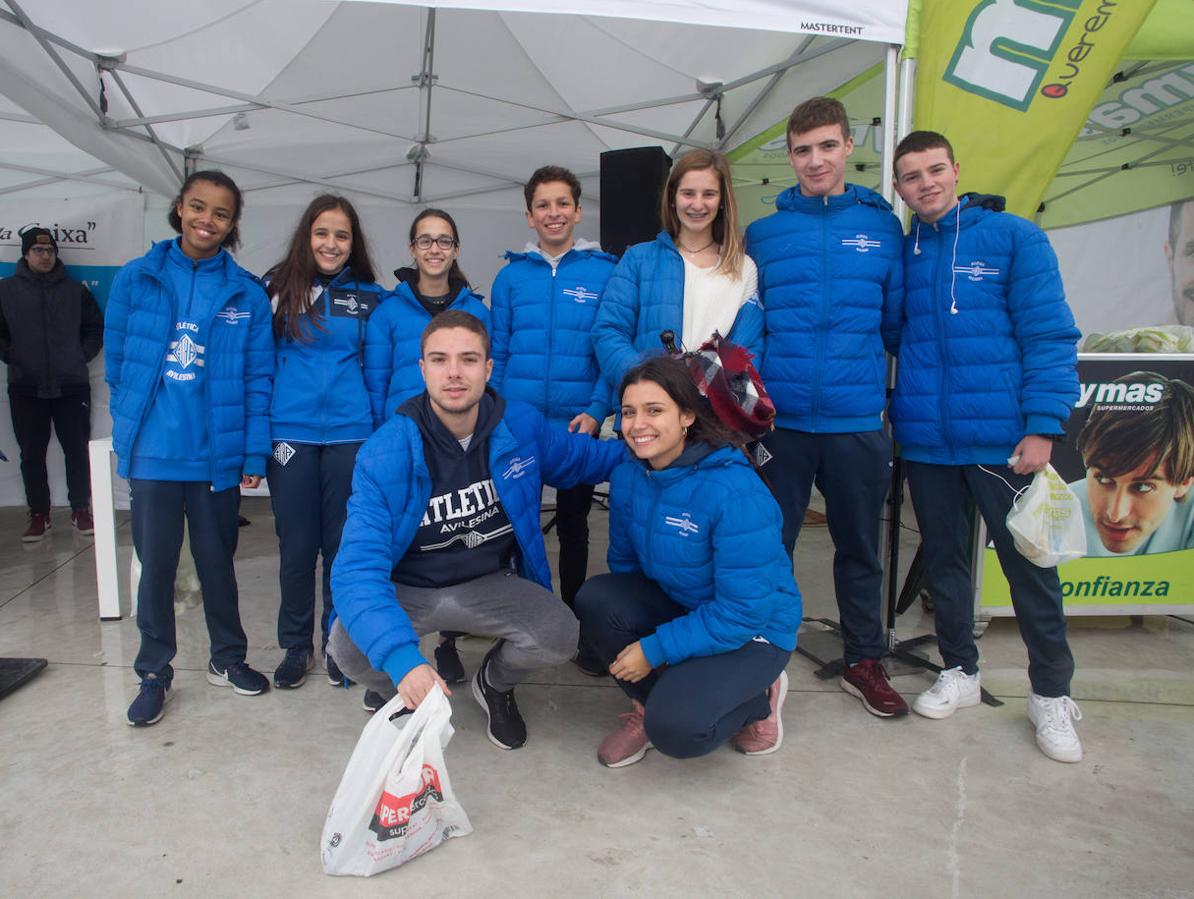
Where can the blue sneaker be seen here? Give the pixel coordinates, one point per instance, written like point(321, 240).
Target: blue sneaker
point(240, 677)
point(292, 673)
point(150, 704)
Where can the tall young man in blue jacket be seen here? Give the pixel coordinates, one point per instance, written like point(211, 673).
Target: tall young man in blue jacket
point(544, 306)
point(831, 283)
point(443, 533)
point(987, 378)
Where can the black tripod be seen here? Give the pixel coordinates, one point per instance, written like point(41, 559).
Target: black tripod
point(898, 600)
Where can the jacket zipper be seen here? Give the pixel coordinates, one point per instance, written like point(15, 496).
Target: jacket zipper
point(821, 325)
point(946, 429)
point(551, 325)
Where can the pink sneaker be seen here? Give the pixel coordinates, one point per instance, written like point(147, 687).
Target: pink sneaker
point(628, 744)
point(763, 737)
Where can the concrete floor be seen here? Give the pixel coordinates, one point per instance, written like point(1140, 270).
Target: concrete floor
point(227, 795)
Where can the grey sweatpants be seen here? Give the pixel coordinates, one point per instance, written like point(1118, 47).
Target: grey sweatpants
point(534, 626)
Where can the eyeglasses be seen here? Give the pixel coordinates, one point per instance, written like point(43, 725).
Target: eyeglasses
point(43, 251)
point(424, 242)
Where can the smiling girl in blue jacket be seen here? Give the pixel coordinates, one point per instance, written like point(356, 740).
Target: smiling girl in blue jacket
point(693, 279)
point(324, 296)
point(188, 358)
point(434, 284)
point(698, 615)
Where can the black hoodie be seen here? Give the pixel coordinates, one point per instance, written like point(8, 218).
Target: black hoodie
point(465, 533)
point(50, 328)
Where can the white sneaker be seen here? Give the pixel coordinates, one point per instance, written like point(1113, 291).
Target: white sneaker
point(1054, 719)
point(954, 690)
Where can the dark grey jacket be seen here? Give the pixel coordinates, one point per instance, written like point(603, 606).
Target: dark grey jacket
point(50, 328)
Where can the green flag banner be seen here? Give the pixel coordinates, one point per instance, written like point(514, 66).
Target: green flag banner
point(1011, 82)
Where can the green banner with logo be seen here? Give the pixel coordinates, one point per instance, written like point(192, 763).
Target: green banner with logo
point(1011, 82)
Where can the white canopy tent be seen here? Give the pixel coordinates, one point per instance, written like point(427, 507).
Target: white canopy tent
point(401, 105)
point(398, 105)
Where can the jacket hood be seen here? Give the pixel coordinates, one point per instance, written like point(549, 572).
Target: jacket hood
point(582, 246)
point(698, 454)
point(53, 276)
point(409, 275)
point(793, 200)
point(490, 410)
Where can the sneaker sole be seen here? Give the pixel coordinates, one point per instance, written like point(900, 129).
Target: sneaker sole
point(294, 685)
point(1057, 756)
point(480, 697)
point(630, 759)
point(165, 702)
point(943, 713)
point(779, 719)
point(219, 680)
point(861, 697)
point(37, 539)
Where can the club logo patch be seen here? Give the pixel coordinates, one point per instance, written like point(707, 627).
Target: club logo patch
point(683, 523)
point(975, 270)
point(283, 452)
point(518, 467)
point(230, 315)
point(861, 243)
point(762, 456)
point(579, 294)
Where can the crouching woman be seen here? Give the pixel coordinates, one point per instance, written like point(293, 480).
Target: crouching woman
point(698, 616)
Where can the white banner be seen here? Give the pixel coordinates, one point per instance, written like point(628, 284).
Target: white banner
point(863, 20)
point(96, 235)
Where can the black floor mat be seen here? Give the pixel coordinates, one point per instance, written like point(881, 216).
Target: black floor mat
point(14, 672)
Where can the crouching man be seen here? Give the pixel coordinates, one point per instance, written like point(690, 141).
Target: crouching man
point(443, 534)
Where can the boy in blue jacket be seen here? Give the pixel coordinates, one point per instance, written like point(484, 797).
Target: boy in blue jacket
point(832, 283)
point(988, 377)
point(544, 307)
point(443, 533)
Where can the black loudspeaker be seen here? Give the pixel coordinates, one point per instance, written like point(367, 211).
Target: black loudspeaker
point(632, 182)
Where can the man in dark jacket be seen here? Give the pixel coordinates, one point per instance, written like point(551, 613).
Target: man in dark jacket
point(50, 328)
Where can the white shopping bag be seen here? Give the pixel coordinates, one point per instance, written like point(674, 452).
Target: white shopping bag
point(1046, 521)
point(395, 801)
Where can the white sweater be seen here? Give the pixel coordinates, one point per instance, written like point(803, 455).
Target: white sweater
point(712, 300)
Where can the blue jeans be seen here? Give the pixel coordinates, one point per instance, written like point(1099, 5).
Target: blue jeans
point(158, 509)
point(692, 707)
point(853, 473)
point(944, 497)
point(309, 495)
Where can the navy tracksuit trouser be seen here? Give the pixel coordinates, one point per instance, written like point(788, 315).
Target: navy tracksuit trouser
point(944, 497)
point(692, 707)
point(853, 473)
point(309, 494)
point(158, 509)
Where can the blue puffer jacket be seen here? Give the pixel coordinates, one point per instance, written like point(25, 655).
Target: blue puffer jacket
point(988, 353)
point(319, 385)
point(392, 347)
point(644, 296)
point(391, 487)
point(832, 283)
point(138, 325)
point(707, 530)
point(543, 332)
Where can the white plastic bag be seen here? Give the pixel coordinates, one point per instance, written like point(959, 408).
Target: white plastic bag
point(1046, 521)
point(395, 801)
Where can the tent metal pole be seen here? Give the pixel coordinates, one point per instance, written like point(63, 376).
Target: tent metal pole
point(52, 38)
point(192, 158)
point(692, 125)
point(86, 177)
point(258, 101)
point(425, 80)
point(661, 136)
point(891, 61)
point(39, 36)
point(148, 128)
point(907, 97)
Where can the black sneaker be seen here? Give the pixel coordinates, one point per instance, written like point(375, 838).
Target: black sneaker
point(372, 701)
point(240, 677)
point(150, 704)
point(292, 672)
point(587, 662)
point(447, 662)
point(506, 728)
point(335, 676)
